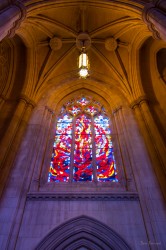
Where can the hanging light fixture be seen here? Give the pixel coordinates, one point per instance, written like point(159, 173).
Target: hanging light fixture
point(83, 43)
point(83, 64)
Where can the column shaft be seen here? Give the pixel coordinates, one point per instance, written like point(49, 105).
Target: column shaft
point(145, 127)
point(20, 124)
point(7, 139)
point(41, 148)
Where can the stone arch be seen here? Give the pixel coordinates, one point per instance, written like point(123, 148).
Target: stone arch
point(83, 231)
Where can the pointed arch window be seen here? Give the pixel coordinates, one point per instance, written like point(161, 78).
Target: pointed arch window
point(83, 150)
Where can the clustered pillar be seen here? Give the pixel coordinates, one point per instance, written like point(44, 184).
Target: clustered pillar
point(44, 141)
point(153, 139)
point(13, 136)
point(122, 153)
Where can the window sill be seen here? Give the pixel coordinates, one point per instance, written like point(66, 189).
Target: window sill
point(69, 196)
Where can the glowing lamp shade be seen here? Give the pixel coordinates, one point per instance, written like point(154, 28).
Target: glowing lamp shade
point(83, 65)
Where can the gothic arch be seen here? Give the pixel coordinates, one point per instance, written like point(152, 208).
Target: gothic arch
point(83, 231)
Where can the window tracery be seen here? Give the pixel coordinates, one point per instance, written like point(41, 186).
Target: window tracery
point(82, 149)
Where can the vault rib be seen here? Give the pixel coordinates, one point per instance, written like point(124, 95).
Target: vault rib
point(54, 23)
point(113, 24)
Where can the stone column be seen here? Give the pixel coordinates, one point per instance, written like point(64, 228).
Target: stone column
point(7, 139)
point(11, 18)
point(127, 178)
point(152, 140)
point(154, 15)
point(13, 137)
point(154, 133)
point(43, 140)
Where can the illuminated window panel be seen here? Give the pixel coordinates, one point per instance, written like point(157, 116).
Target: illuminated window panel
point(106, 167)
point(59, 166)
point(65, 119)
point(91, 110)
point(83, 141)
point(83, 170)
point(74, 110)
point(83, 101)
point(77, 143)
point(60, 161)
point(83, 125)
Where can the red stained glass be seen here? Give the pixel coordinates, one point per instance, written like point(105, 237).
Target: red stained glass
point(74, 109)
point(83, 153)
point(72, 153)
point(83, 165)
point(60, 161)
point(106, 167)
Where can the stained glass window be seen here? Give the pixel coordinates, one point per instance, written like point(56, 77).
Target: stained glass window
point(82, 149)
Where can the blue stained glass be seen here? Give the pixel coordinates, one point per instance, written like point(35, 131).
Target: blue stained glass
point(83, 101)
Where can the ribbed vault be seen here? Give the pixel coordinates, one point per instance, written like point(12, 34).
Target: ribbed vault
point(64, 20)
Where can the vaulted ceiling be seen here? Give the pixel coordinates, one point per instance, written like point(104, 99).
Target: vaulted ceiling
point(49, 34)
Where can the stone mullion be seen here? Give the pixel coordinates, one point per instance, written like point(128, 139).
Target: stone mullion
point(72, 150)
point(122, 175)
point(40, 149)
point(93, 150)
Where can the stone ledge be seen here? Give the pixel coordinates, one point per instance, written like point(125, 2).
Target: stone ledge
point(125, 196)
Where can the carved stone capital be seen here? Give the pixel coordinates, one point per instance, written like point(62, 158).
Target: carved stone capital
point(137, 102)
point(115, 110)
point(154, 15)
point(160, 4)
point(27, 100)
point(22, 16)
point(147, 10)
point(50, 110)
